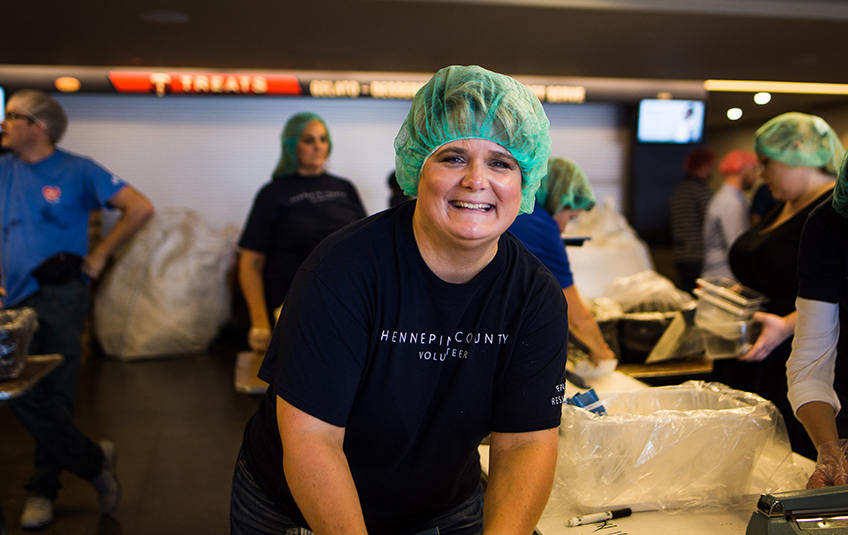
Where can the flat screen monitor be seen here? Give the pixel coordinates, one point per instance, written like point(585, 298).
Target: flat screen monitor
point(670, 121)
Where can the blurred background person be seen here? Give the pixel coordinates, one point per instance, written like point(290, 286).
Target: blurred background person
point(728, 212)
point(48, 196)
point(301, 206)
point(688, 207)
point(562, 195)
point(799, 155)
point(761, 202)
point(817, 369)
point(398, 196)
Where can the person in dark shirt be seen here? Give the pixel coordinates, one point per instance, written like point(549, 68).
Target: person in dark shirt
point(410, 336)
point(301, 206)
point(564, 193)
point(688, 207)
point(799, 155)
point(817, 370)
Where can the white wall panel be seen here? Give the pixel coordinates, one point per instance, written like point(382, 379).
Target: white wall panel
point(213, 154)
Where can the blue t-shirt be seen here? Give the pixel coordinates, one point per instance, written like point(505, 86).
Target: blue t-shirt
point(540, 234)
point(44, 211)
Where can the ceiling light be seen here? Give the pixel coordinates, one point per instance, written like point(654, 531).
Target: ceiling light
point(762, 98)
point(750, 86)
point(734, 114)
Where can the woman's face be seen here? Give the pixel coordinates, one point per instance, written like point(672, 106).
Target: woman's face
point(469, 194)
point(564, 216)
point(312, 148)
point(785, 182)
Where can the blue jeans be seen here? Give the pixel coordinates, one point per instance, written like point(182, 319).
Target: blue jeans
point(252, 513)
point(47, 411)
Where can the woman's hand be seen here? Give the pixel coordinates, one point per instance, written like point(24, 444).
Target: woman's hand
point(831, 465)
point(259, 339)
point(776, 329)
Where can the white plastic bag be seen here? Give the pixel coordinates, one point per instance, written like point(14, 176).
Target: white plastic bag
point(614, 249)
point(167, 292)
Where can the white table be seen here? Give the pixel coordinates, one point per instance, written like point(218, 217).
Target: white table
point(733, 521)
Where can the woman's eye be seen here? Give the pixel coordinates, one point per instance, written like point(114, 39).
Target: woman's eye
point(501, 164)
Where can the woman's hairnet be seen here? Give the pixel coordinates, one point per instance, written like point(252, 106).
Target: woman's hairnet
point(43, 109)
point(840, 191)
point(288, 163)
point(469, 102)
point(800, 140)
point(565, 186)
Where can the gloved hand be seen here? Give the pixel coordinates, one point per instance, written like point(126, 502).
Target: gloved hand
point(258, 339)
point(831, 465)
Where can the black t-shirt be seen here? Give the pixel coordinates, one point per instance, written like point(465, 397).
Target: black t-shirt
point(289, 217)
point(768, 261)
point(416, 369)
point(823, 276)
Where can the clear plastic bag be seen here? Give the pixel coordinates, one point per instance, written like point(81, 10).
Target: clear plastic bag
point(692, 446)
point(16, 329)
point(648, 291)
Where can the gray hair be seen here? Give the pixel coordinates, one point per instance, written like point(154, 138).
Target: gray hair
point(43, 110)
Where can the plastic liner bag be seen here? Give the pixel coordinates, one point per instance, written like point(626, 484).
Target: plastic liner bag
point(167, 293)
point(694, 446)
point(648, 291)
point(16, 329)
point(614, 249)
point(650, 302)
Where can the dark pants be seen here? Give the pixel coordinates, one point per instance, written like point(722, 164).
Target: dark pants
point(252, 513)
point(47, 411)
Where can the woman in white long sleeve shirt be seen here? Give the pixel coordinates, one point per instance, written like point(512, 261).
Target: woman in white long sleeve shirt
point(817, 378)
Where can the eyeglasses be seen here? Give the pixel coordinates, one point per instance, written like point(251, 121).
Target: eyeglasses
point(12, 115)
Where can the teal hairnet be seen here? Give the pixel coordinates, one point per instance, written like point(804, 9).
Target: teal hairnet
point(565, 186)
point(840, 192)
point(288, 163)
point(471, 102)
point(800, 140)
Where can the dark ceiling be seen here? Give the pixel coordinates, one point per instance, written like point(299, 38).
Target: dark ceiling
point(422, 36)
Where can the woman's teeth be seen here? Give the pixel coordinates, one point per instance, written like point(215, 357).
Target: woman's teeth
point(472, 206)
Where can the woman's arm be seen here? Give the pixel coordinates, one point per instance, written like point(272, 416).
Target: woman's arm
point(521, 475)
point(776, 329)
point(252, 285)
point(583, 326)
point(317, 472)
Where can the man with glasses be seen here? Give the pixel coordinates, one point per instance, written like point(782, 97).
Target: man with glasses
point(46, 196)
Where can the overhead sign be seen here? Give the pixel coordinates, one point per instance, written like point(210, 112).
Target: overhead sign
point(335, 85)
point(163, 83)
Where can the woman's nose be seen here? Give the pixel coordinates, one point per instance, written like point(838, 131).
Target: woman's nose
point(475, 176)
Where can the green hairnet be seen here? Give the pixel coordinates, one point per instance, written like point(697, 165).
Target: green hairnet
point(291, 134)
point(565, 186)
point(800, 140)
point(840, 192)
point(471, 102)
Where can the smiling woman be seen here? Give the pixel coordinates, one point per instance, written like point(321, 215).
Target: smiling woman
point(473, 148)
point(468, 195)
